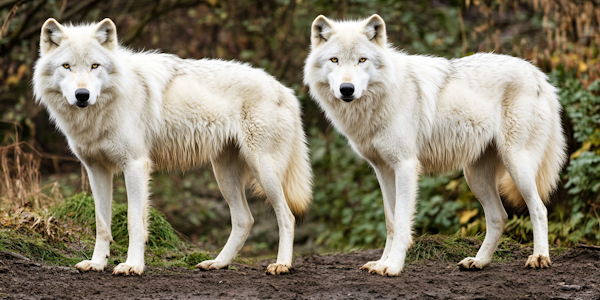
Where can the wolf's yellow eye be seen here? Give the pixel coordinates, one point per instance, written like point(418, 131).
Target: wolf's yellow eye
point(94, 66)
point(66, 66)
point(335, 60)
point(362, 60)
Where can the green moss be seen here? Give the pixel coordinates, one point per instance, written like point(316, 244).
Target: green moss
point(79, 209)
point(35, 247)
point(454, 248)
point(195, 258)
point(165, 248)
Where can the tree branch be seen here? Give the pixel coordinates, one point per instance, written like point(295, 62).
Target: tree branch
point(71, 12)
point(7, 3)
point(153, 14)
point(14, 37)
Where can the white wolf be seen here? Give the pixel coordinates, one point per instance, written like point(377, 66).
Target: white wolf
point(137, 112)
point(494, 115)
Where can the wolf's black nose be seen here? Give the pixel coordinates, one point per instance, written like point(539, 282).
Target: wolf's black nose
point(82, 94)
point(347, 89)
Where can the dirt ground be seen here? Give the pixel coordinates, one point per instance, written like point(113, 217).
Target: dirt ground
point(575, 275)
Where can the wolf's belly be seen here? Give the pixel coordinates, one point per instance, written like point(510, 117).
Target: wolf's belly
point(454, 147)
point(188, 144)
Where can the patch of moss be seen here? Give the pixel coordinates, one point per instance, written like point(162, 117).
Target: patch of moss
point(454, 248)
point(165, 247)
point(33, 246)
point(194, 258)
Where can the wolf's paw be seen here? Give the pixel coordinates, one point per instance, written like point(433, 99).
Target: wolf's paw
point(538, 261)
point(471, 263)
point(276, 269)
point(370, 265)
point(211, 265)
point(88, 265)
point(384, 269)
point(126, 269)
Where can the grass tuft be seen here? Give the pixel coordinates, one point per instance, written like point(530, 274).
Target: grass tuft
point(33, 246)
point(79, 209)
point(454, 248)
point(195, 258)
point(165, 247)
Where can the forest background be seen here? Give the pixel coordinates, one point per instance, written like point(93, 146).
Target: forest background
point(560, 37)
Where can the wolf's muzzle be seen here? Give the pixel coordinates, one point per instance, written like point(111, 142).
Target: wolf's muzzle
point(82, 96)
point(347, 90)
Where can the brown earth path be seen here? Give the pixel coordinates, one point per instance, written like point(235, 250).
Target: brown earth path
point(575, 275)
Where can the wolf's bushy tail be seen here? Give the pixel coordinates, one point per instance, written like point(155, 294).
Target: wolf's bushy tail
point(553, 159)
point(296, 179)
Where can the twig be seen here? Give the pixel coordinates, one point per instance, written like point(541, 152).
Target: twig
point(35, 29)
point(62, 8)
point(154, 13)
point(597, 248)
point(15, 255)
point(9, 16)
point(40, 154)
point(14, 37)
point(6, 3)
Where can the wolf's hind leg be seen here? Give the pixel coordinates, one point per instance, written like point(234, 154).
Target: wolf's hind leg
point(264, 169)
point(519, 166)
point(101, 184)
point(229, 171)
point(386, 179)
point(481, 177)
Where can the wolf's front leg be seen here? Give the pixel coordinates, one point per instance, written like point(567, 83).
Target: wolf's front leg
point(406, 173)
point(137, 175)
point(386, 179)
point(101, 183)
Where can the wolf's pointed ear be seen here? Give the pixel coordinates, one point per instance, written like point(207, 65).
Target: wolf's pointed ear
point(375, 30)
point(52, 35)
point(106, 34)
point(321, 30)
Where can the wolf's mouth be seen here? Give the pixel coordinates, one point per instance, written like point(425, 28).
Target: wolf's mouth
point(82, 104)
point(347, 99)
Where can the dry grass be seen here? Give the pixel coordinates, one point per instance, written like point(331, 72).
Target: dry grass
point(20, 179)
point(20, 176)
point(23, 198)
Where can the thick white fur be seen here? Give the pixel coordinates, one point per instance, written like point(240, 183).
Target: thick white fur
point(496, 116)
point(151, 111)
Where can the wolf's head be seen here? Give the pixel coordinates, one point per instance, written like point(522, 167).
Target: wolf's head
point(75, 61)
point(346, 55)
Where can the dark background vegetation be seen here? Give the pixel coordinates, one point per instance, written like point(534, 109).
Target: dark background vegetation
point(559, 36)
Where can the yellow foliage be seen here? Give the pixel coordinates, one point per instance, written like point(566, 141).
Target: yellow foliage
point(451, 186)
point(586, 146)
point(582, 67)
point(15, 79)
point(594, 140)
point(466, 215)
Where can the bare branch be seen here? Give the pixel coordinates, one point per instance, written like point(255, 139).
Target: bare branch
point(35, 29)
point(153, 14)
point(5, 49)
point(7, 3)
point(588, 247)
